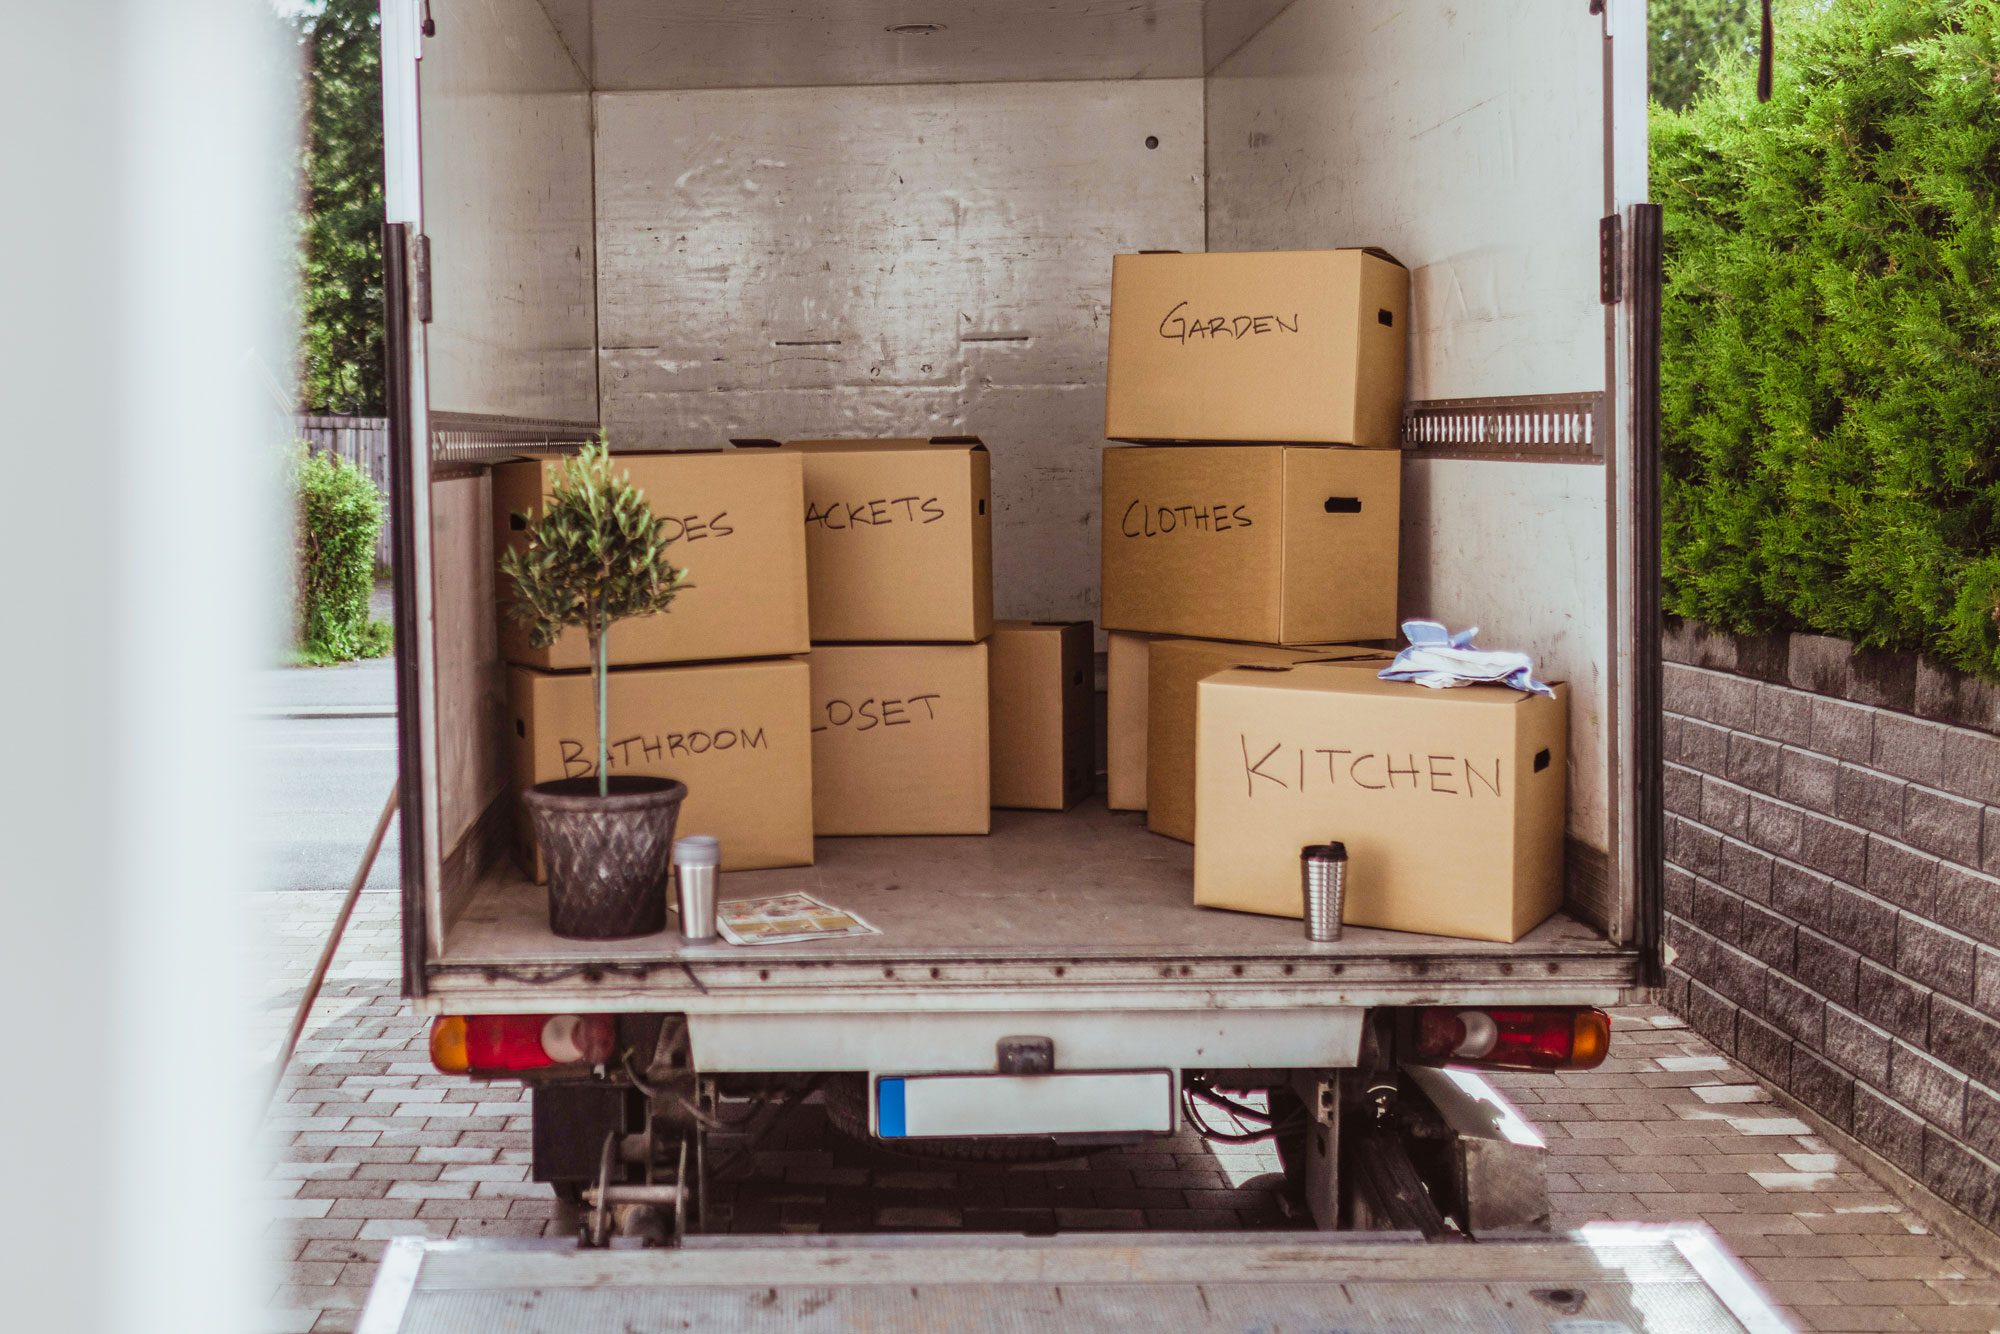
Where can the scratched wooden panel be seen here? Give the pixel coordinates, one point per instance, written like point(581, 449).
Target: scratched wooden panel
point(1486, 184)
point(1467, 140)
point(647, 44)
point(507, 204)
point(471, 687)
point(893, 261)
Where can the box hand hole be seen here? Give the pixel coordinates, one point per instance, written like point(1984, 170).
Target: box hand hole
point(1343, 504)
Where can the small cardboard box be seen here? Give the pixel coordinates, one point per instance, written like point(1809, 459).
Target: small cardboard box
point(737, 733)
point(1174, 668)
point(1267, 544)
point(1125, 669)
point(1040, 681)
point(900, 739)
point(734, 517)
point(899, 539)
point(1450, 802)
point(1302, 345)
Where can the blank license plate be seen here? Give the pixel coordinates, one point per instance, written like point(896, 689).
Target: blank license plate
point(1082, 1103)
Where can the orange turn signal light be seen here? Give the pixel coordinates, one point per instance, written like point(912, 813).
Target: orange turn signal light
point(448, 1049)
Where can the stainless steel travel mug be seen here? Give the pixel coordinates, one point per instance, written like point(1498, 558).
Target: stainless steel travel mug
point(697, 866)
point(1323, 876)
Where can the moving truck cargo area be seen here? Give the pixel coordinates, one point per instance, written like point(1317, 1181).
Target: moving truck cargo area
point(880, 318)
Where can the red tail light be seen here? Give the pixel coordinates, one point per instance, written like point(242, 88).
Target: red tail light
point(1548, 1038)
point(500, 1043)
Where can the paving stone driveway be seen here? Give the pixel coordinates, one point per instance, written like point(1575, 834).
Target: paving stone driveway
point(369, 1143)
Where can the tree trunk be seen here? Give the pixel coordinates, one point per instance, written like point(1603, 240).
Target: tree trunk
point(600, 677)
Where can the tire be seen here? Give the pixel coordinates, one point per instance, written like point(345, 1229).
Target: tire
point(846, 1101)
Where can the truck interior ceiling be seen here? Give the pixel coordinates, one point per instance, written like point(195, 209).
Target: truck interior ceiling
point(688, 222)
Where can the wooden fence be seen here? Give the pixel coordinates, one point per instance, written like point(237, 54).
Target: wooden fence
point(361, 441)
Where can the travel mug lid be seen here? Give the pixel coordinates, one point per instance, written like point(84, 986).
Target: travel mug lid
point(1323, 852)
point(698, 850)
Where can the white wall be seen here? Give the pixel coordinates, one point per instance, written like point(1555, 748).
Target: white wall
point(506, 204)
point(893, 261)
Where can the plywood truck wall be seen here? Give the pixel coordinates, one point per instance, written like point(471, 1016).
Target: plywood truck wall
point(762, 277)
point(1501, 247)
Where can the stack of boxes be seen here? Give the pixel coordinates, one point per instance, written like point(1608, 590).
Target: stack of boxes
point(843, 675)
point(1250, 553)
point(899, 560)
point(714, 692)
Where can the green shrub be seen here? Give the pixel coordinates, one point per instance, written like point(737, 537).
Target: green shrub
point(339, 518)
point(1831, 376)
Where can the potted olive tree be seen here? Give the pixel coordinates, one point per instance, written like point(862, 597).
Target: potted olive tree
point(595, 556)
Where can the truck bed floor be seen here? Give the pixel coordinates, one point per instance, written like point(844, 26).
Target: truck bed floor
point(1086, 896)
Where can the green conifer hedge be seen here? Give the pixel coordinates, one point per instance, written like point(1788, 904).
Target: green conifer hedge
point(1831, 385)
point(340, 516)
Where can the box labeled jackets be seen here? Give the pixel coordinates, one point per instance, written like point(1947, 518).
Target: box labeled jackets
point(1174, 668)
point(737, 733)
point(1125, 670)
point(899, 739)
point(1041, 679)
point(1270, 544)
point(1302, 345)
point(899, 539)
point(734, 518)
point(1450, 802)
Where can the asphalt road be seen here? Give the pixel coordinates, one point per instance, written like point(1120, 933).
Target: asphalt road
point(326, 758)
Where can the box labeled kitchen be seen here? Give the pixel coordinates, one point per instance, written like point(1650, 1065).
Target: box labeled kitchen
point(737, 733)
point(1125, 670)
point(1302, 345)
point(733, 516)
point(899, 539)
point(1174, 668)
point(1040, 683)
point(1450, 802)
point(1272, 544)
point(899, 739)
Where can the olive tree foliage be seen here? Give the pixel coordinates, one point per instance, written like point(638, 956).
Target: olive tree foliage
point(340, 210)
point(595, 555)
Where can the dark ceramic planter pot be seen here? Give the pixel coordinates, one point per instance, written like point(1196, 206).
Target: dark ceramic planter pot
point(608, 857)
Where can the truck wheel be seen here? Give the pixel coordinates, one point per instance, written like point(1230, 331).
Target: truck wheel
point(846, 1099)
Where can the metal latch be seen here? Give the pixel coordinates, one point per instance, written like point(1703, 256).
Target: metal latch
point(1026, 1055)
point(1610, 258)
point(420, 261)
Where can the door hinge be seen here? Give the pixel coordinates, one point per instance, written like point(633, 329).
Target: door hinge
point(1610, 258)
point(420, 283)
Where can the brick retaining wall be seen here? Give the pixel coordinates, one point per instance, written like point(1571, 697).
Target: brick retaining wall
point(1833, 912)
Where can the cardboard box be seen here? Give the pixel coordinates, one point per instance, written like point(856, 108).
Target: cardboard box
point(900, 739)
point(734, 515)
point(1040, 683)
point(1268, 544)
point(1125, 668)
point(737, 733)
point(1450, 802)
point(1302, 345)
point(1174, 668)
point(899, 539)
